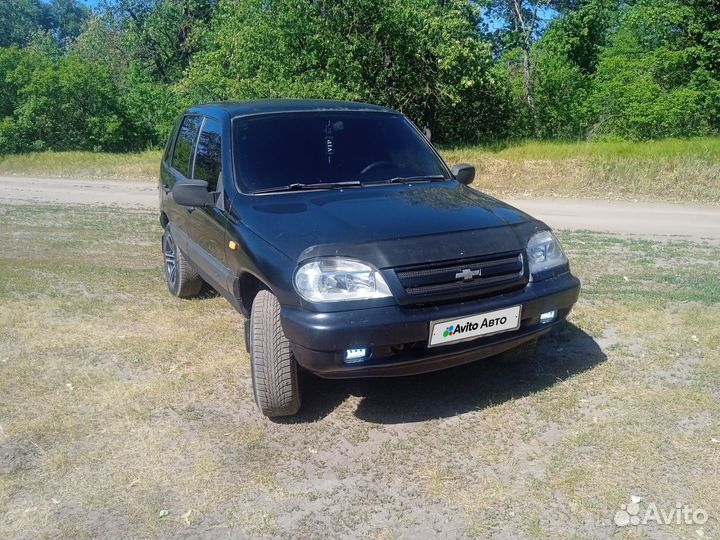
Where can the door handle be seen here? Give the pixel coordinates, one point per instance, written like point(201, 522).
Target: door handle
point(165, 189)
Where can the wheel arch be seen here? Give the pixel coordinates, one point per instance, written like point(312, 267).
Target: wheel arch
point(249, 285)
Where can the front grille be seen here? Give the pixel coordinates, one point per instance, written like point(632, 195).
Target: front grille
point(463, 278)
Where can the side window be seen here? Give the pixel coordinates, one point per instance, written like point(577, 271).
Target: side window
point(184, 145)
point(207, 158)
point(169, 143)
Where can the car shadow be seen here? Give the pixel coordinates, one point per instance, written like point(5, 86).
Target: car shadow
point(207, 291)
point(565, 351)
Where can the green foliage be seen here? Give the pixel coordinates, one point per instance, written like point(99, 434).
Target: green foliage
point(633, 71)
point(60, 103)
point(158, 34)
point(116, 79)
point(10, 59)
point(151, 106)
point(579, 36)
point(20, 19)
point(566, 58)
point(422, 57)
point(650, 82)
point(257, 49)
point(68, 17)
point(561, 90)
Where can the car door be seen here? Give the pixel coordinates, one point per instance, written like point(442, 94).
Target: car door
point(206, 226)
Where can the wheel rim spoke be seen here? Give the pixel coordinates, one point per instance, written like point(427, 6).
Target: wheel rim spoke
point(170, 265)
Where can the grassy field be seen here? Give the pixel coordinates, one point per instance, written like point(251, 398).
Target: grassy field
point(134, 166)
point(127, 412)
point(669, 170)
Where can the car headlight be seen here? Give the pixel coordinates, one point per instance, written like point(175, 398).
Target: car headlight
point(334, 279)
point(544, 252)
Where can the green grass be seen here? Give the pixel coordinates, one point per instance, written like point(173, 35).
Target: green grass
point(133, 166)
point(649, 279)
point(125, 412)
point(678, 170)
point(707, 148)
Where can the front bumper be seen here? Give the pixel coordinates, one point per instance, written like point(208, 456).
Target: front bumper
point(398, 336)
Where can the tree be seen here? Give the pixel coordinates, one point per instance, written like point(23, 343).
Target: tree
point(652, 78)
point(566, 58)
point(523, 22)
point(423, 57)
point(705, 32)
point(67, 18)
point(117, 78)
point(579, 35)
point(10, 59)
point(19, 19)
point(61, 102)
point(157, 33)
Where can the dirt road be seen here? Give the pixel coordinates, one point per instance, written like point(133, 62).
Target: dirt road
point(656, 220)
point(26, 190)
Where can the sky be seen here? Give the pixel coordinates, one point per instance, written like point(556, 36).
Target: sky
point(545, 13)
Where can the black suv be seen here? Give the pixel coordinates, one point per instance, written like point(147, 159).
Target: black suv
point(353, 250)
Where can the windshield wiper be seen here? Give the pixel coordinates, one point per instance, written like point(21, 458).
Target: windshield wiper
point(299, 186)
point(406, 179)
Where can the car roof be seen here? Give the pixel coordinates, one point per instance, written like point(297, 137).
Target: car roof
point(268, 106)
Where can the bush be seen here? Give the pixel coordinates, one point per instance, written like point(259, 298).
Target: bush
point(60, 102)
point(649, 83)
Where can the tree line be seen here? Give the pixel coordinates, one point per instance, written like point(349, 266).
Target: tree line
point(466, 71)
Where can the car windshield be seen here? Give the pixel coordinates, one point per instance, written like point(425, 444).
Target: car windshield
point(299, 149)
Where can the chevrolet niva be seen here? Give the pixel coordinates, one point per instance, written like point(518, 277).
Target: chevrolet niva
point(337, 230)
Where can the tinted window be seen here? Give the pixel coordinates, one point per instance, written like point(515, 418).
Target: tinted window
point(169, 144)
point(184, 144)
point(207, 157)
point(277, 150)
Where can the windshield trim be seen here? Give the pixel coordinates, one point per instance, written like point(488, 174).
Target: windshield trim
point(233, 148)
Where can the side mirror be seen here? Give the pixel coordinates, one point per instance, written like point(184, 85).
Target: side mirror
point(464, 173)
point(193, 193)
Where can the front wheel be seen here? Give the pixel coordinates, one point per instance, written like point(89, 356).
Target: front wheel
point(272, 364)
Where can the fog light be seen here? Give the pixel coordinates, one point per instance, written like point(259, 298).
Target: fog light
point(548, 316)
point(353, 356)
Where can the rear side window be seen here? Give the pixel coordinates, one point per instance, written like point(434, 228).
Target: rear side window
point(184, 145)
point(207, 157)
point(169, 144)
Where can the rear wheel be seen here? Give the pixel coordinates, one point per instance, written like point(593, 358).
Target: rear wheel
point(273, 366)
point(182, 279)
point(521, 353)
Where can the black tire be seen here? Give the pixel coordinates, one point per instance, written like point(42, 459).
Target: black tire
point(519, 354)
point(182, 279)
point(272, 364)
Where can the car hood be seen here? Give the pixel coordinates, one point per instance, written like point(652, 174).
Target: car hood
point(386, 223)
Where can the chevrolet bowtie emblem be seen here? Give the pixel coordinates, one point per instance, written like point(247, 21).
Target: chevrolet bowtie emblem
point(467, 274)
